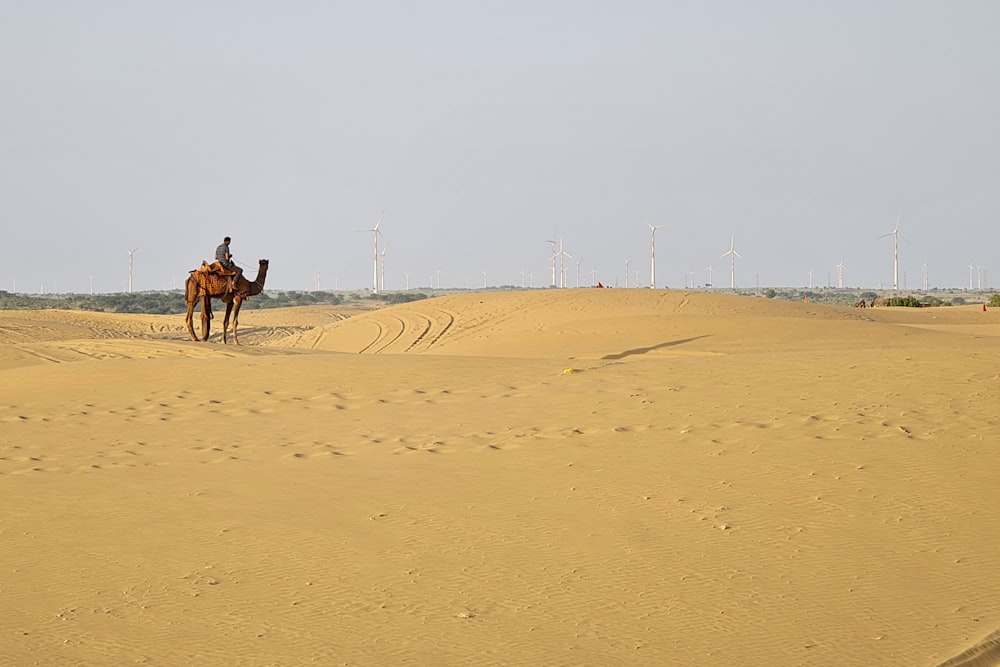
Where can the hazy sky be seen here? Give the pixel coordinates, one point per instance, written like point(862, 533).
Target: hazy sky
point(484, 129)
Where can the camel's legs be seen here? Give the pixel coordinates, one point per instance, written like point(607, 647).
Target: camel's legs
point(237, 302)
point(206, 317)
point(190, 299)
point(232, 308)
point(189, 320)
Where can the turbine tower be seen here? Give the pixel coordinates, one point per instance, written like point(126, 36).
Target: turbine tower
point(385, 246)
point(559, 253)
point(131, 254)
point(895, 254)
point(840, 275)
point(709, 267)
point(732, 254)
point(971, 269)
point(652, 254)
point(562, 264)
point(375, 234)
point(555, 254)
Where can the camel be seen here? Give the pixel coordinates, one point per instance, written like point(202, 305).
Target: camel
point(207, 286)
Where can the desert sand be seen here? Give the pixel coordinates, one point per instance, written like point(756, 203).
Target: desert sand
point(556, 477)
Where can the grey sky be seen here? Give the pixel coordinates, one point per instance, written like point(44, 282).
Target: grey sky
point(484, 129)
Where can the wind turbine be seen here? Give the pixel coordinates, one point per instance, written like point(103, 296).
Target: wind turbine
point(555, 254)
point(971, 268)
point(375, 234)
point(709, 267)
point(895, 254)
point(732, 260)
point(562, 264)
point(559, 253)
point(91, 284)
point(840, 275)
point(652, 254)
point(131, 254)
point(578, 263)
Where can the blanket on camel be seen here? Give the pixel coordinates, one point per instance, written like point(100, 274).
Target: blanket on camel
point(213, 279)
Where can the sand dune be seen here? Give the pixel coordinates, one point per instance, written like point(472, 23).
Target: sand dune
point(557, 477)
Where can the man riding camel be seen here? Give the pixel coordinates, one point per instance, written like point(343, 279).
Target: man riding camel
point(225, 259)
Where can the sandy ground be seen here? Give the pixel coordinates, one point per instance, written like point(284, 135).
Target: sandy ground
point(559, 477)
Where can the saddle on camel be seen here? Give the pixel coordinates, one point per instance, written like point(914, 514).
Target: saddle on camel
point(215, 278)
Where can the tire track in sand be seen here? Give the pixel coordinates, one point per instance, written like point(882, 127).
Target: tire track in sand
point(423, 334)
point(378, 336)
point(399, 333)
point(451, 321)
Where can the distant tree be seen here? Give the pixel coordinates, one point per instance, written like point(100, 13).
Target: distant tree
point(404, 297)
point(994, 301)
point(909, 301)
point(770, 293)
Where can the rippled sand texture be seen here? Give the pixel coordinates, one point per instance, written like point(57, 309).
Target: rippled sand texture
point(558, 477)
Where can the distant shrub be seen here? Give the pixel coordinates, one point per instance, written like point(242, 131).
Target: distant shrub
point(404, 297)
point(897, 301)
point(994, 301)
point(770, 293)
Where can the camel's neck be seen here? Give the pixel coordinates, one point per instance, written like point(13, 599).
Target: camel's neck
point(257, 286)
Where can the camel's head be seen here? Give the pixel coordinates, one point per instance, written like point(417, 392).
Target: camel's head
point(263, 263)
